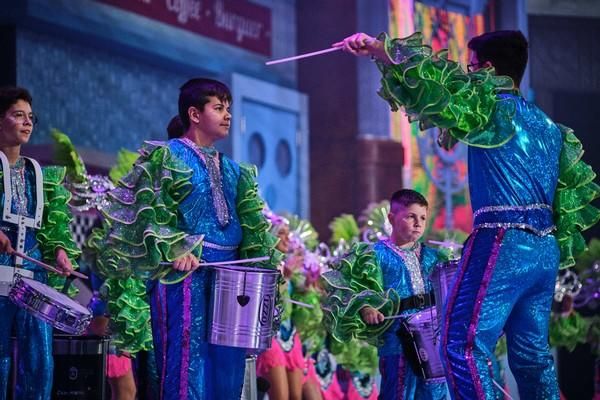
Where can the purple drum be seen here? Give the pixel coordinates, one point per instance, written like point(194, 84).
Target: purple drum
point(53, 307)
point(442, 277)
point(421, 344)
point(242, 306)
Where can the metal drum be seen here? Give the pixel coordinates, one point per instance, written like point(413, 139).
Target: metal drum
point(50, 306)
point(421, 344)
point(442, 277)
point(242, 306)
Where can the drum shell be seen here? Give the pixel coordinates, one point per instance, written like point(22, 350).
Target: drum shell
point(442, 278)
point(424, 331)
point(247, 326)
point(41, 306)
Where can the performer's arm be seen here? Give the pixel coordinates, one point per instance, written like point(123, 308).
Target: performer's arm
point(436, 91)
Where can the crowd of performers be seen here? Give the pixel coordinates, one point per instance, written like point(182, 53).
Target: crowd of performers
point(183, 203)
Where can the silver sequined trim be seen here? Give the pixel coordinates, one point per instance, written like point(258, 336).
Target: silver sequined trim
point(218, 246)
point(537, 206)
point(516, 225)
point(411, 260)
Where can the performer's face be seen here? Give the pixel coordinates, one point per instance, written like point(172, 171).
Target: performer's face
point(408, 223)
point(16, 124)
point(283, 234)
point(214, 121)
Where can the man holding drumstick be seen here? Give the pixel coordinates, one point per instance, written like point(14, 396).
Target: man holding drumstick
point(40, 230)
point(184, 201)
point(529, 192)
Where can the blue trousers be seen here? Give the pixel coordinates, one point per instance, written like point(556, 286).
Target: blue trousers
point(399, 382)
point(188, 366)
point(34, 346)
point(505, 282)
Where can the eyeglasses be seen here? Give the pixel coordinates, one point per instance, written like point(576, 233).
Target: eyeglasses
point(22, 116)
point(471, 67)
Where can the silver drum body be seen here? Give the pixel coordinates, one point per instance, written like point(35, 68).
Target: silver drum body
point(242, 306)
point(49, 305)
point(423, 351)
point(442, 278)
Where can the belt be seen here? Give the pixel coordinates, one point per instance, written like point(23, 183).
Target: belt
point(417, 301)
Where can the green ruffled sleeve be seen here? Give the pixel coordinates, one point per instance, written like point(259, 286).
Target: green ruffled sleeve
point(129, 314)
point(257, 241)
point(437, 92)
point(55, 232)
point(141, 219)
point(352, 285)
point(576, 189)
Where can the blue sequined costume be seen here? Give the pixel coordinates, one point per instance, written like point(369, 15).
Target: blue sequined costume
point(406, 272)
point(381, 278)
point(33, 336)
point(188, 366)
point(524, 179)
point(162, 210)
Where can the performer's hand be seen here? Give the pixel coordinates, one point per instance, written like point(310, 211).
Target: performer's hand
point(63, 264)
point(371, 316)
point(361, 44)
point(5, 246)
point(186, 263)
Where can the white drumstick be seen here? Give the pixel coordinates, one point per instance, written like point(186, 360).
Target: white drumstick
point(299, 303)
point(394, 317)
point(242, 261)
point(46, 266)
point(305, 55)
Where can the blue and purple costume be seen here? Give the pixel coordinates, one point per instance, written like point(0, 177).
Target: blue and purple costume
point(165, 208)
point(530, 195)
point(390, 279)
point(33, 336)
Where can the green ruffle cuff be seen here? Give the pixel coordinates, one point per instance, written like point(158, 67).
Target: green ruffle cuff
point(129, 314)
point(437, 92)
point(569, 331)
point(55, 232)
point(142, 219)
point(576, 189)
point(356, 282)
point(257, 241)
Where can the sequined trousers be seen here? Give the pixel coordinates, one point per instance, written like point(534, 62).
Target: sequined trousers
point(190, 368)
point(400, 382)
point(34, 349)
point(505, 283)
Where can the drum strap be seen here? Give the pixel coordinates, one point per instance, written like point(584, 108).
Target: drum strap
point(417, 301)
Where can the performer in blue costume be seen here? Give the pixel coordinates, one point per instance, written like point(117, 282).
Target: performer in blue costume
point(389, 279)
point(183, 201)
point(530, 195)
point(34, 206)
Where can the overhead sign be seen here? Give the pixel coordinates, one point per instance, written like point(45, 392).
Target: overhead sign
point(236, 22)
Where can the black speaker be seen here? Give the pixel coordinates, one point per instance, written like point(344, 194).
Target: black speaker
point(79, 367)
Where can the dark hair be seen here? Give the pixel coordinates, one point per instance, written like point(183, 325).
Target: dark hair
point(196, 93)
point(175, 128)
point(407, 197)
point(505, 50)
point(9, 95)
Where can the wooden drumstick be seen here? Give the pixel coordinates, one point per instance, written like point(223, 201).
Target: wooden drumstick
point(305, 55)
point(46, 266)
point(217, 263)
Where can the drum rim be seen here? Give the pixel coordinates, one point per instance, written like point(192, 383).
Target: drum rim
point(25, 286)
point(243, 268)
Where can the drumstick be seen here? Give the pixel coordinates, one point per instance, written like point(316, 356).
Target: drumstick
point(299, 303)
point(46, 266)
point(305, 55)
point(244, 260)
point(394, 317)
